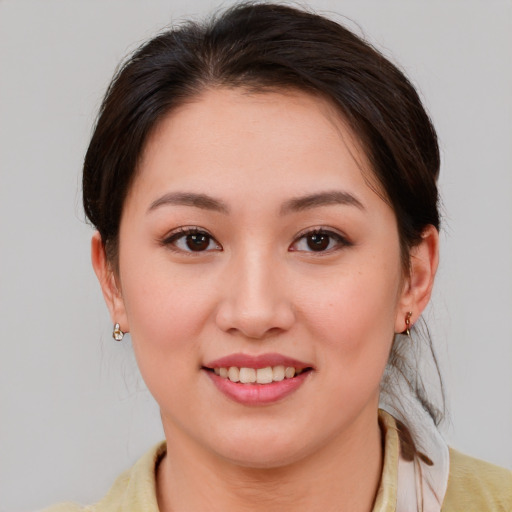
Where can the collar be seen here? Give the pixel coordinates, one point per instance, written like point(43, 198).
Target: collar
point(405, 486)
point(412, 482)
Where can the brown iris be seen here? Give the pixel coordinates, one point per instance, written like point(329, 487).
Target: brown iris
point(318, 241)
point(198, 242)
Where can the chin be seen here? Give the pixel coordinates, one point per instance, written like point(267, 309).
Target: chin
point(256, 459)
point(263, 451)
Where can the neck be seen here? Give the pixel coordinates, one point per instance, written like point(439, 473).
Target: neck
point(343, 475)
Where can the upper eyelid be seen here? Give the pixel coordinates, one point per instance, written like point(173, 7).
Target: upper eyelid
point(322, 230)
point(186, 230)
point(182, 231)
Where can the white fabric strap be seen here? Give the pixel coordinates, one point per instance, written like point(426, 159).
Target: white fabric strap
point(421, 487)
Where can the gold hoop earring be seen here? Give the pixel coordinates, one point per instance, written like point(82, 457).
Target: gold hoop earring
point(408, 324)
point(117, 334)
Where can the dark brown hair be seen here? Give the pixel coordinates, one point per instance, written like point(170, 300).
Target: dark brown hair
point(263, 46)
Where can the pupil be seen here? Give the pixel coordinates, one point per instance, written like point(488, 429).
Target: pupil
point(318, 242)
point(197, 242)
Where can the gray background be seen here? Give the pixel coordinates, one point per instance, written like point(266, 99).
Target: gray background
point(73, 410)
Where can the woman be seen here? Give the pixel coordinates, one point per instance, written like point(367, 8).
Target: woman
point(264, 193)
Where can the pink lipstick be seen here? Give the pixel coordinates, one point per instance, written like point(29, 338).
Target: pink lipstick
point(260, 361)
point(257, 380)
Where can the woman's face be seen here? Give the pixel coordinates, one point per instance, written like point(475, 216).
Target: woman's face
point(251, 239)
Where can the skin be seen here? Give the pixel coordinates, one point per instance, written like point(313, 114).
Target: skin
point(259, 288)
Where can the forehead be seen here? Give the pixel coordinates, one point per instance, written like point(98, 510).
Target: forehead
point(229, 139)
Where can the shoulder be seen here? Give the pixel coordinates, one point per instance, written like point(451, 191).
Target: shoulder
point(475, 485)
point(134, 490)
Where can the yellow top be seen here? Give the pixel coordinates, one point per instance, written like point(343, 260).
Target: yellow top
point(473, 485)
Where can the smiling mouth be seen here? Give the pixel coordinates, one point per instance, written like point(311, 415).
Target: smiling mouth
point(266, 375)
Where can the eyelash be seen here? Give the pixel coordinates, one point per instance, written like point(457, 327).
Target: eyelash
point(338, 239)
point(183, 232)
point(172, 238)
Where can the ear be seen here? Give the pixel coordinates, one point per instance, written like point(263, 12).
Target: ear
point(108, 282)
point(424, 259)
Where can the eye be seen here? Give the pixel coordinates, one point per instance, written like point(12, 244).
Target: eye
point(319, 241)
point(192, 240)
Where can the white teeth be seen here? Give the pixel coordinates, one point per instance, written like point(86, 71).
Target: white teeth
point(289, 372)
point(264, 375)
point(278, 373)
point(234, 374)
point(247, 375)
point(261, 375)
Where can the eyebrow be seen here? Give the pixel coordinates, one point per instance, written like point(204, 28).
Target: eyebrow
point(206, 202)
point(328, 198)
point(202, 201)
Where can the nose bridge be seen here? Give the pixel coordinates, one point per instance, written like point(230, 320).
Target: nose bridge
point(256, 287)
point(255, 301)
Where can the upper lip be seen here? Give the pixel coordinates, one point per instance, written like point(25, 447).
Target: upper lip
point(259, 361)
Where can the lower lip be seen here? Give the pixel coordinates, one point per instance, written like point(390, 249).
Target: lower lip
point(258, 394)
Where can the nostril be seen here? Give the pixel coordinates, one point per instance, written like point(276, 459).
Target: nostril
point(255, 316)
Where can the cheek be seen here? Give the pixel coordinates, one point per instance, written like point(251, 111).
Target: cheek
point(163, 303)
point(167, 311)
point(353, 317)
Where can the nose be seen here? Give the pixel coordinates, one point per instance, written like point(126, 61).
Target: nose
point(255, 299)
